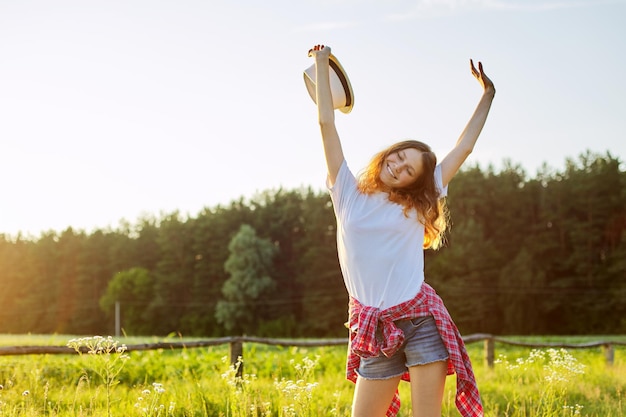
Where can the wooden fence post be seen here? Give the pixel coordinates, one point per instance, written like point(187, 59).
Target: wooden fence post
point(609, 354)
point(236, 356)
point(118, 320)
point(490, 351)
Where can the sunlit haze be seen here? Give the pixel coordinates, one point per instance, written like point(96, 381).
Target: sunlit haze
point(115, 109)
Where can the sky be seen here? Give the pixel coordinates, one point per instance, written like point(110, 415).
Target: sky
point(113, 111)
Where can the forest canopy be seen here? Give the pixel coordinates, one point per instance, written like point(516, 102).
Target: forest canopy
point(542, 255)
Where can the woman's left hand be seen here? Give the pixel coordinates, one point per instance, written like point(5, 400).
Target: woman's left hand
point(482, 77)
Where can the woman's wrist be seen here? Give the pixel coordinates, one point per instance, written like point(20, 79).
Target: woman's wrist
point(321, 59)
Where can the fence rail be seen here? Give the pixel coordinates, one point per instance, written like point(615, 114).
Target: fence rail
point(236, 346)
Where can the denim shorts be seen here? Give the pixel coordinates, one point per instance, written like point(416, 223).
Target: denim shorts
point(422, 345)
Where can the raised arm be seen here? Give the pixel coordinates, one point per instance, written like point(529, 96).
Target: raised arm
point(465, 144)
point(326, 113)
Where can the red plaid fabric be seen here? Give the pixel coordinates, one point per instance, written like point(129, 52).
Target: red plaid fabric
point(364, 321)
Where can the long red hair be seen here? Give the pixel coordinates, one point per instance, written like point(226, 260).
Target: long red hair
point(421, 195)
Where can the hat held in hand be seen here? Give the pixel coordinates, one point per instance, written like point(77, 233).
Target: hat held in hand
point(340, 88)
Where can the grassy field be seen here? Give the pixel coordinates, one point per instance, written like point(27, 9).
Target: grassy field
point(287, 381)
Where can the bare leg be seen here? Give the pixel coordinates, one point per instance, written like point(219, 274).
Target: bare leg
point(372, 398)
point(427, 386)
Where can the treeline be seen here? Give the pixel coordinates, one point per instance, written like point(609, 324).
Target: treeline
point(543, 255)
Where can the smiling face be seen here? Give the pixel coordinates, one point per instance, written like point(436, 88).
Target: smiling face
point(401, 168)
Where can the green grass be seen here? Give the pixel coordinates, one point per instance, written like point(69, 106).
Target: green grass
point(281, 381)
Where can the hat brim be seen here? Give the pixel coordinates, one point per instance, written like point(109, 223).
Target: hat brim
point(341, 89)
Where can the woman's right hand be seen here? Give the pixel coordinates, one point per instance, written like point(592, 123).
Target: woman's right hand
point(320, 50)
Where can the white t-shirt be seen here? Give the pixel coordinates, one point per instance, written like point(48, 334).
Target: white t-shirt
point(380, 249)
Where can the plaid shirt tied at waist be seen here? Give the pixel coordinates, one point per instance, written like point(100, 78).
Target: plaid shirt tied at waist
point(364, 321)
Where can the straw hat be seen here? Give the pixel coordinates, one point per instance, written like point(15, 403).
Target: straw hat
point(340, 88)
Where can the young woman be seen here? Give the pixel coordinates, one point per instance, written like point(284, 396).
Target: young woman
point(399, 327)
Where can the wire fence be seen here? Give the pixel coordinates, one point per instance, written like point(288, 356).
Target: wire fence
point(237, 343)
